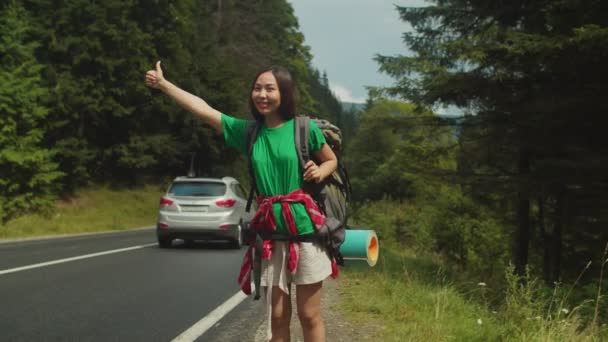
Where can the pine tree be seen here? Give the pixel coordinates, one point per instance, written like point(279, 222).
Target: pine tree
point(27, 167)
point(530, 74)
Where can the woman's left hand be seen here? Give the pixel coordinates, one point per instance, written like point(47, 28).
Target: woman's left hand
point(312, 172)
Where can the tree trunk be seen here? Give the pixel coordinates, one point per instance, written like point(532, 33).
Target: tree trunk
point(523, 214)
point(560, 212)
point(545, 240)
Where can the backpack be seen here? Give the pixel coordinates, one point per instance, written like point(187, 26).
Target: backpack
point(331, 195)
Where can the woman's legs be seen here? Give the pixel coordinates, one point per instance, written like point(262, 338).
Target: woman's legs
point(309, 311)
point(281, 315)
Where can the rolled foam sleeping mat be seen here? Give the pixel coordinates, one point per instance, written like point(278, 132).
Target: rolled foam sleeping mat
point(360, 245)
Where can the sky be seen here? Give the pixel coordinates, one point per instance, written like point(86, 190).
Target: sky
point(345, 35)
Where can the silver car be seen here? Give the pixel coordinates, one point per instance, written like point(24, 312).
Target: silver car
point(203, 208)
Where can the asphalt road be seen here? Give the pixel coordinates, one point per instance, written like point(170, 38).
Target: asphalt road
point(139, 294)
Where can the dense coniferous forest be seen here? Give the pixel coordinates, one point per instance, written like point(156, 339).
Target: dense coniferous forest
point(75, 109)
point(522, 176)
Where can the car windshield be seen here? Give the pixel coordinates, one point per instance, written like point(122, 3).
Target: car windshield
point(197, 189)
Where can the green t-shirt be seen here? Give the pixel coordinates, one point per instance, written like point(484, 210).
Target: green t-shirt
point(275, 163)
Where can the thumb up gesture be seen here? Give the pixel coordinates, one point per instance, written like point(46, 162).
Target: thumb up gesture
point(154, 78)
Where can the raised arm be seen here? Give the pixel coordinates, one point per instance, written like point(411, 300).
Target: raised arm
point(189, 102)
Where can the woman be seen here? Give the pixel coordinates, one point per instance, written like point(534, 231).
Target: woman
point(277, 172)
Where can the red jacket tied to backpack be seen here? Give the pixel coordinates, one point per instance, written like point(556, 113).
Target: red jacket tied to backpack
point(264, 220)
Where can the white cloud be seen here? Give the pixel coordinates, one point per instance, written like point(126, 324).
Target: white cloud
point(448, 110)
point(344, 94)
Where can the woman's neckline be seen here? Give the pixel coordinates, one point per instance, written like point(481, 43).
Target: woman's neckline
point(278, 125)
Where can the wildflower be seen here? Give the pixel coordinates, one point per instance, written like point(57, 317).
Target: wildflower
point(482, 284)
point(479, 321)
point(564, 310)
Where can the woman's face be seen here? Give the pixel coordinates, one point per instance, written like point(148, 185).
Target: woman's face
point(265, 94)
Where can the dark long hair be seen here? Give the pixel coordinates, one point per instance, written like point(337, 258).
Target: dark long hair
point(287, 108)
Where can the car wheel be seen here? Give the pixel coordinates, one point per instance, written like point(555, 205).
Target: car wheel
point(164, 242)
point(238, 242)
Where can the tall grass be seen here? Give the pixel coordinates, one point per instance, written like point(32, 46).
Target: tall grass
point(412, 297)
point(415, 295)
point(90, 210)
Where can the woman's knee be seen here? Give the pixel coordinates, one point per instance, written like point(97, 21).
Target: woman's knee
point(310, 316)
point(309, 304)
point(280, 318)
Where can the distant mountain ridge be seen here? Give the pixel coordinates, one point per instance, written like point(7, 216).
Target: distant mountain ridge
point(354, 107)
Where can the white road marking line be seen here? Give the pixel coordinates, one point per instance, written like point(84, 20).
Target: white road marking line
point(63, 236)
point(86, 256)
point(213, 317)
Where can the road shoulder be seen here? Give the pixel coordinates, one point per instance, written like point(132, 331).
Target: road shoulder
point(338, 328)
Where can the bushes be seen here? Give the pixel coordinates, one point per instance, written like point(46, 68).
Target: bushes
point(467, 233)
point(388, 218)
point(447, 222)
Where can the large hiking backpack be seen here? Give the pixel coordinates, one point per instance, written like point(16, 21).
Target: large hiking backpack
point(332, 194)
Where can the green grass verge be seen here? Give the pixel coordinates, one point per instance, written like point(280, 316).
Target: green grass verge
point(409, 300)
point(90, 210)
point(413, 298)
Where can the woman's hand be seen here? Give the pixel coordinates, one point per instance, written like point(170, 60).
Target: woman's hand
point(189, 102)
point(328, 164)
point(154, 78)
point(312, 172)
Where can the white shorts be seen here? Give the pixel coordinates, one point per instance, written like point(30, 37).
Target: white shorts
point(314, 266)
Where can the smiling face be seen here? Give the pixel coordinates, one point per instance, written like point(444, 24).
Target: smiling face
point(273, 94)
point(266, 95)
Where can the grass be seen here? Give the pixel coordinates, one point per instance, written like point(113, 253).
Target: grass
point(414, 298)
point(411, 300)
point(90, 210)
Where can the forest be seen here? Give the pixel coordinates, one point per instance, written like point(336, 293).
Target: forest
point(516, 182)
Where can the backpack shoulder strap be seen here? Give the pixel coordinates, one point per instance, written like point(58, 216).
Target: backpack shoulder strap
point(251, 133)
point(302, 130)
